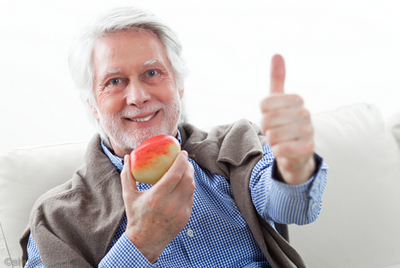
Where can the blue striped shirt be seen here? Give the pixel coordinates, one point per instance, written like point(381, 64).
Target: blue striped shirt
point(216, 234)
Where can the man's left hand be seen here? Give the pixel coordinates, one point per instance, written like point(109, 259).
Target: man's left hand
point(288, 129)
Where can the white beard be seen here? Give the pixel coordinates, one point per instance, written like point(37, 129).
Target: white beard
point(129, 139)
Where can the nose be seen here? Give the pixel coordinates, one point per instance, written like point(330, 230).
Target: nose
point(137, 95)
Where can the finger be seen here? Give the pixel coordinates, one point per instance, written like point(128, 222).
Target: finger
point(280, 117)
point(174, 174)
point(293, 149)
point(289, 132)
point(281, 101)
point(277, 74)
point(127, 180)
point(184, 192)
point(186, 185)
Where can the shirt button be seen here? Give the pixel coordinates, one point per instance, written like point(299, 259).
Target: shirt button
point(189, 233)
point(313, 206)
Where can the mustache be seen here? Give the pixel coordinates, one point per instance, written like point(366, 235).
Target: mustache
point(133, 112)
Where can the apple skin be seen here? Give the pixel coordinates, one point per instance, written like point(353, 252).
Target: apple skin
point(151, 159)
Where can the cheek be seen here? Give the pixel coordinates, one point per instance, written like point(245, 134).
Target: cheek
point(109, 104)
point(167, 92)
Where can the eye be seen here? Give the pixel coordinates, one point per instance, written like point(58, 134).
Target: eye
point(152, 76)
point(116, 84)
point(151, 73)
point(115, 81)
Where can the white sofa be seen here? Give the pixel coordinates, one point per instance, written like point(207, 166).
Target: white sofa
point(359, 225)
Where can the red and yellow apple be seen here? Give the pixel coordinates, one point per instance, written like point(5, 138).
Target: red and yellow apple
point(151, 159)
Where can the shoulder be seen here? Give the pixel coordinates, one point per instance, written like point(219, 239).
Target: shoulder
point(238, 131)
point(72, 192)
point(92, 183)
point(240, 126)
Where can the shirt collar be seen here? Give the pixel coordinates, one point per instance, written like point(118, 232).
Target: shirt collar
point(118, 162)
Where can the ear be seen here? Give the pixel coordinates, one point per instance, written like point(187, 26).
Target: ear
point(94, 111)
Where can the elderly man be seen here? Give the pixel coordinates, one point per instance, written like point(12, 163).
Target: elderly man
point(216, 210)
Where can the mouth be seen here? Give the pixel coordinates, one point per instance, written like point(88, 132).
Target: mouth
point(142, 119)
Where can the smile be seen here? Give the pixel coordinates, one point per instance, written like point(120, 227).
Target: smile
point(145, 119)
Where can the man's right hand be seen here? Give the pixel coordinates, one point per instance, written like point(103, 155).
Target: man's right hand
point(156, 216)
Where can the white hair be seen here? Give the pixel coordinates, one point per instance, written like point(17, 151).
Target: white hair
point(120, 19)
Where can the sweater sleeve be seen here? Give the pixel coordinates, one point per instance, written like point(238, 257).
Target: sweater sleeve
point(122, 254)
point(283, 203)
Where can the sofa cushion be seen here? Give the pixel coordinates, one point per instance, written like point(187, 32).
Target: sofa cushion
point(359, 225)
point(25, 174)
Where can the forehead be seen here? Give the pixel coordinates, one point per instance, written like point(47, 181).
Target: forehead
point(128, 49)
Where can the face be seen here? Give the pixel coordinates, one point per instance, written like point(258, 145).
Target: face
point(134, 86)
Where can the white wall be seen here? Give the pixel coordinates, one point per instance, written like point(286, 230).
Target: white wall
point(336, 52)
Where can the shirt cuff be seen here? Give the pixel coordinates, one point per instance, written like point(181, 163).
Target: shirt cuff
point(124, 254)
point(300, 204)
point(276, 175)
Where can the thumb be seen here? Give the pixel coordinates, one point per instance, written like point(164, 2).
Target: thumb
point(277, 74)
point(127, 180)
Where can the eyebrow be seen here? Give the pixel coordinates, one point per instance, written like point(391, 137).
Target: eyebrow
point(111, 71)
point(114, 71)
point(152, 61)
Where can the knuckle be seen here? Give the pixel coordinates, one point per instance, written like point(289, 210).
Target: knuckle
point(192, 187)
point(183, 216)
point(308, 130)
point(296, 98)
point(125, 195)
point(271, 137)
point(191, 184)
point(304, 114)
point(268, 119)
point(187, 178)
point(267, 103)
point(191, 168)
point(264, 104)
point(310, 147)
point(279, 150)
point(124, 172)
point(311, 130)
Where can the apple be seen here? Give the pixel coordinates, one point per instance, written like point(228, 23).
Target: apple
point(151, 159)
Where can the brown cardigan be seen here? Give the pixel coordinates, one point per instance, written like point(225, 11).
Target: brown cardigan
point(76, 221)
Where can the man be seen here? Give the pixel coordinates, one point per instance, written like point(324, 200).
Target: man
point(216, 210)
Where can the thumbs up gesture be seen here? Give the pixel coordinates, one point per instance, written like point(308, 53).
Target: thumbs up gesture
point(288, 129)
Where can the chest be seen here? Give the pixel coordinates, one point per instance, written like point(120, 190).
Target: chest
point(216, 231)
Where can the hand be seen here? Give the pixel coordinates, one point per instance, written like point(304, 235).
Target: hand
point(288, 129)
point(156, 216)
